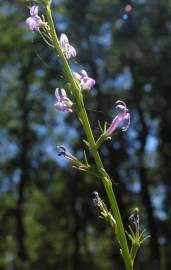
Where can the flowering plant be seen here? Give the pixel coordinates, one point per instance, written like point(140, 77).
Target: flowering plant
point(73, 101)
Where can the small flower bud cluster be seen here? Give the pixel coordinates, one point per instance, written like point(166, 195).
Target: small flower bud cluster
point(136, 237)
point(104, 213)
point(96, 200)
point(76, 163)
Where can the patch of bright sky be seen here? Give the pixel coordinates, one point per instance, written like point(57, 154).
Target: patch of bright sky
point(158, 197)
point(40, 72)
point(5, 185)
point(8, 149)
point(135, 184)
point(68, 135)
point(9, 74)
point(105, 36)
point(17, 176)
point(136, 187)
point(8, 8)
point(151, 144)
point(62, 25)
point(147, 87)
point(53, 152)
point(123, 80)
point(41, 130)
point(59, 16)
point(151, 156)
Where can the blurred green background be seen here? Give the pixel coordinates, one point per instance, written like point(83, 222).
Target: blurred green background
point(47, 219)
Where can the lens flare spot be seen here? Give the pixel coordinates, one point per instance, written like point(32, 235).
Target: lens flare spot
point(125, 17)
point(128, 8)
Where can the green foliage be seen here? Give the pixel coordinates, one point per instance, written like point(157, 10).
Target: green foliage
point(45, 2)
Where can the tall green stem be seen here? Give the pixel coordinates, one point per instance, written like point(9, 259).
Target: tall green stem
point(86, 125)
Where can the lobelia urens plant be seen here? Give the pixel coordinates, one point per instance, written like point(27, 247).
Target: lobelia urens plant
point(73, 101)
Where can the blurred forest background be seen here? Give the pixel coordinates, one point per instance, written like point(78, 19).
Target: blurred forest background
point(47, 219)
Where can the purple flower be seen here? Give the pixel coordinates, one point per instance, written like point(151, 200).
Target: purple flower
point(86, 82)
point(63, 103)
point(67, 49)
point(122, 116)
point(34, 21)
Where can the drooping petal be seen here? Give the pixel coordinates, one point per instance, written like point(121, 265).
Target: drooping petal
point(63, 40)
point(63, 93)
point(34, 11)
point(121, 102)
point(121, 105)
point(84, 73)
point(126, 118)
point(67, 49)
point(57, 93)
point(73, 51)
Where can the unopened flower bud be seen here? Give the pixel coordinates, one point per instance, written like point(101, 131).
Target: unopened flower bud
point(135, 219)
point(96, 200)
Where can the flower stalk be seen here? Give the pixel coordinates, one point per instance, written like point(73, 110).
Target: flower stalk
point(78, 99)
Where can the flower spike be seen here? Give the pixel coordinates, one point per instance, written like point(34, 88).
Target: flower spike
point(67, 49)
point(63, 103)
point(122, 116)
